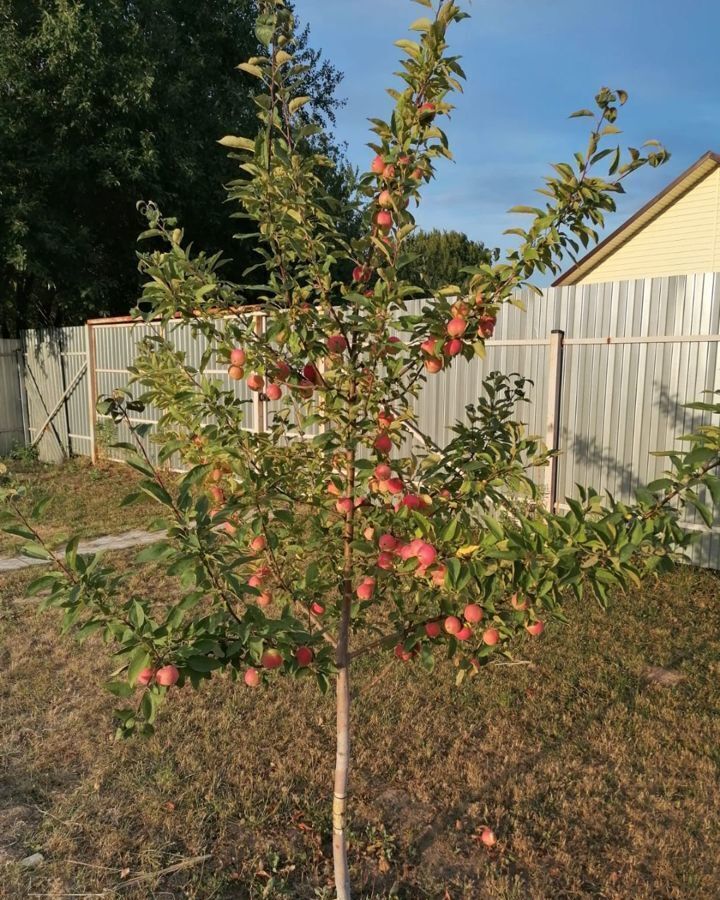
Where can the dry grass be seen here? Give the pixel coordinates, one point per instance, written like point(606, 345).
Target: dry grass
point(84, 499)
point(597, 783)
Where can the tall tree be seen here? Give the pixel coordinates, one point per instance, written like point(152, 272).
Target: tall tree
point(104, 103)
point(438, 257)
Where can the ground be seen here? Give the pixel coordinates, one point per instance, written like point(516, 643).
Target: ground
point(598, 782)
point(84, 499)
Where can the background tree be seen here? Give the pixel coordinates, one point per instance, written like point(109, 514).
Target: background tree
point(440, 255)
point(305, 548)
point(81, 141)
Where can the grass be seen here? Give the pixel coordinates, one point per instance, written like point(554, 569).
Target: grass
point(597, 783)
point(84, 499)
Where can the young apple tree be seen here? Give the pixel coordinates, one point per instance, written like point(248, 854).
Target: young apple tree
point(304, 547)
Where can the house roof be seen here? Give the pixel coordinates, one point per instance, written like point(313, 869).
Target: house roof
point(699, 170)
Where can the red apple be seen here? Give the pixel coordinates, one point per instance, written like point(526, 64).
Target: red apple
point(167, 676)
point(385, 199)
point(433, 629)
point(452, 347)
point(460, 309)
point(273, 392)
point(465, 633)
point(473, 613)
point(236, 373)
point(304, 656)
point(393, 486)
point(377, 165)
point(271, 659)
point(438, 575)
point(258, 543)
point(487, 836)
point(237, 357)
point(429, 346)
point(385, 560)
point(486, 326)
point(427, 555)
point(535, 628)
point(366, 589)
point(433, 365)
point(256, 382)
point(491, 636)
point(145, 677)
point(517, 603)
point(217, 494)
point(426, 111)
point(387, 542)
point(389, 172)
point(403, 654)
point(382, 443)
point(385, 419)
point(456, 327)
point(310, 373)
point(384, 219)
point(361, 273)
point(452, 625)
point(264, 600)
point(336, 343)
point(317, 609)
point(251, 677)
point(413, 501)
point(344, 505)
point(383, 472)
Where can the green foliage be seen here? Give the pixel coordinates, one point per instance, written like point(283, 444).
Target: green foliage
point(274, 537)
point(439, 257)
point(112, 102)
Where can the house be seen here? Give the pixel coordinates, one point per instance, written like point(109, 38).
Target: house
point(676, 233)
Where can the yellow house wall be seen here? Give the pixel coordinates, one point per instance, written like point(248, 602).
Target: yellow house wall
point(685, 238)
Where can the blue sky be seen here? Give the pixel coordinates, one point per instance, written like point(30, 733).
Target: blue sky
point(529, 64)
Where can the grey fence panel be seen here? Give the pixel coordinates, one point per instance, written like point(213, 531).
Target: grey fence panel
point(628, 369)
point(12, 397)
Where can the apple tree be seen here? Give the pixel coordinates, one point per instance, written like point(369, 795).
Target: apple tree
point(311, 544)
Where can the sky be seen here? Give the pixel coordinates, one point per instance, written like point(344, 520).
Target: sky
point(530, 63)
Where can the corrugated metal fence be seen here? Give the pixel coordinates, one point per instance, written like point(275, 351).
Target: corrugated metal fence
point(13, 424)
point(633, 353)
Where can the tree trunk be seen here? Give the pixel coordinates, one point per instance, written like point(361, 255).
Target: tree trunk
point(342, 757)
point(342, 661)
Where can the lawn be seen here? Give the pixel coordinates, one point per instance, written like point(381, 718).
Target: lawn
point(598, 783)
point(84, 499)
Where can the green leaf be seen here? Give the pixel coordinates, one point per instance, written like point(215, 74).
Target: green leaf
point(295, 104)
point(423, 24)
point(236, 143)
point(139, 660)
point(36, 551)
point(250, 69)
point(119, 688)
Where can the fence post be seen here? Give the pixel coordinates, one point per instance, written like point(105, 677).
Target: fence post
point(260, 404)
point(92, 388)
point(554, 394)
point(20, 352)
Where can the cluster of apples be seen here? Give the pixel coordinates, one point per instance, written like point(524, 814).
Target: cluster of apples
point(273, 659)
point(165, 676)
point(281, 373)
point(392, 549)
point(389, 197)
point(437, 349)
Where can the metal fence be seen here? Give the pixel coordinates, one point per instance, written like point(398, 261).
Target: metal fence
point(609, 390)
point(13, 417)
